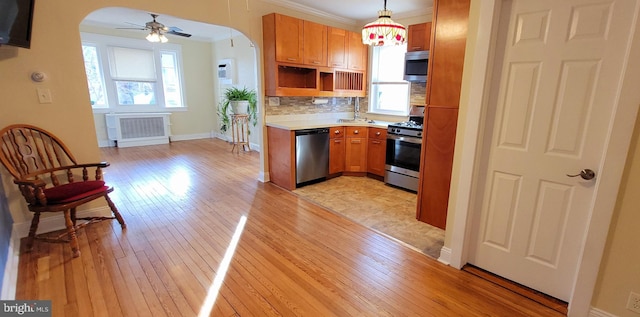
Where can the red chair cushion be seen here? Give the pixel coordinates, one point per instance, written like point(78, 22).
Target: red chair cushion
point(73, 191)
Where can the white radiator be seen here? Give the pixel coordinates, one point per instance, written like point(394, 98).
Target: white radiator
point(137, 129)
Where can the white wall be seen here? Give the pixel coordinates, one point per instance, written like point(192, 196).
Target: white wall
point(245, 72)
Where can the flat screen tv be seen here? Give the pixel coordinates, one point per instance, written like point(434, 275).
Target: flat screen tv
point(15, 22)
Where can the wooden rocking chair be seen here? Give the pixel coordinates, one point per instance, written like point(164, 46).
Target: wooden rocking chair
point(45, 171)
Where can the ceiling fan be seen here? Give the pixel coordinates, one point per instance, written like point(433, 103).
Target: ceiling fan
point(157, 30)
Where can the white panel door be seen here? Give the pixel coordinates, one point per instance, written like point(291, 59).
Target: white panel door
point(555, 78)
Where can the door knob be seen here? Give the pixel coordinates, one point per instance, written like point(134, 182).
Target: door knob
point(586, 174)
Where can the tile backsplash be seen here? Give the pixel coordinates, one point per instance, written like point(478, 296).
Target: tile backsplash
point(275, 106)
point(418, 93)
point(304, 105)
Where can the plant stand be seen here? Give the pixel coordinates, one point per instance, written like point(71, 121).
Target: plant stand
point(240, 132)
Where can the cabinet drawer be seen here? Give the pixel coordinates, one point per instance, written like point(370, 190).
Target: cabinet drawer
point(377, 134)
point(336, 132)
point(359, 132)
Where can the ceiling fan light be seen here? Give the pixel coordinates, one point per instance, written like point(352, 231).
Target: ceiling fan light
point(163, 39)
point(153, 37)
point(384, 31)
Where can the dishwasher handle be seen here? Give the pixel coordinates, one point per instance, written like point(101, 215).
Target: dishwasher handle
point(312, 131)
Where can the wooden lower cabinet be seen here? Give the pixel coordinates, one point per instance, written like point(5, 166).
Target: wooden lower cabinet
point(437, 164)
point(337, 150)
point(356, 149)
point(376, 151)
point(282, 157)
point(351, 149)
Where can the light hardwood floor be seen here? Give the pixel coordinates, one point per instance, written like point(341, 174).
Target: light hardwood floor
point(183, 203)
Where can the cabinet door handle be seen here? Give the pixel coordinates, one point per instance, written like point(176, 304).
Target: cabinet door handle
point(291, 59)
point(357, 141)
point(376, 142)
point(337, 141)
point(356, 132)
point(336, 132)
point(378, 133)
point(315, 62)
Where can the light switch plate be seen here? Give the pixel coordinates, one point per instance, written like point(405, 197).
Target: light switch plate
point(44, 95)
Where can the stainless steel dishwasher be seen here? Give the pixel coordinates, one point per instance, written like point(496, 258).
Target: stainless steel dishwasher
point(312, 155)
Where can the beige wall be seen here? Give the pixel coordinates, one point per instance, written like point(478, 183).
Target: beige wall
point(620, 268)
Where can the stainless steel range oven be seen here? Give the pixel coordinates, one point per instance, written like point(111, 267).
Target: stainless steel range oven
point(404, 143)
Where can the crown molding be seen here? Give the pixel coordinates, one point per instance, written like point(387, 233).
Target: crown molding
point(325, 15)
point(303, 8)
point(414, 13)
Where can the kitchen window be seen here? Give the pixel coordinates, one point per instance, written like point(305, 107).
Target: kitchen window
point(389, 93)
point(131, 75)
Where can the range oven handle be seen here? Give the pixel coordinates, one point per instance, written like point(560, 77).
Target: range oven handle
point(404, 138)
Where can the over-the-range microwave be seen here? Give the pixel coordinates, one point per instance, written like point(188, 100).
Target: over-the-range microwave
point(415, 66)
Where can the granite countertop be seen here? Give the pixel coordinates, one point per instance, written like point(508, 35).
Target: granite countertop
point(325, 123)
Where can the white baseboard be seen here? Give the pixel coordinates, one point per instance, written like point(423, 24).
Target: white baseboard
point(595, 312)
point(187, 137)
point(263, 177)
point(106, 143)
point(445, 256)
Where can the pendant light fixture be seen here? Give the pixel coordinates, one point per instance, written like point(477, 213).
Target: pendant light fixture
point(384, 31)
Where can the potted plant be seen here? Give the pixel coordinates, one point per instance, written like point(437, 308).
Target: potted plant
point(237, 101)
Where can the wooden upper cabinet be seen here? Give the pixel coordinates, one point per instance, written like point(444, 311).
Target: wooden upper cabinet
point(419, 37)
point(299, 41)
point(289, 35)
point(297, 55)
point(358, 53)
point(314, 44)
point(446, 59)
point(337, 47)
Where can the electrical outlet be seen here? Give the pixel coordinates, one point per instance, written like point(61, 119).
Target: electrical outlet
point(634, 302)
point(274, 101)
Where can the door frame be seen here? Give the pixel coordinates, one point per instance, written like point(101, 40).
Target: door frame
point(475, 90)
